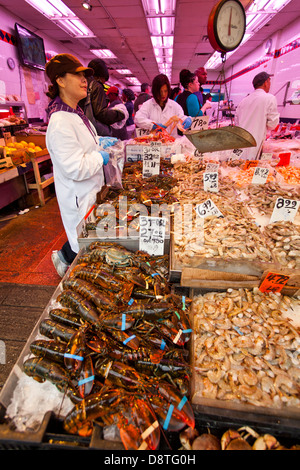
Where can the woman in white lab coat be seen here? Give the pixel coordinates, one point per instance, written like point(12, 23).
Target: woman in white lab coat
point(73, 146)
point(160, 109)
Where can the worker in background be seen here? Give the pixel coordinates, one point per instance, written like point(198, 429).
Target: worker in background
point(95, 106)
point(257, 113)
point(114, 99)
point(188, 99)
point(128, 98)
point(73, 146)
point(202, 78)
point(143, 96)
point(160, 109)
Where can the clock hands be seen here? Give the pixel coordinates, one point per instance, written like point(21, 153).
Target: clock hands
point(229, 25)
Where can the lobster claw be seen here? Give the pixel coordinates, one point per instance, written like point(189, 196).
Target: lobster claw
point(173, 410)
point(73, 356)
point(86, 377)
point(118, 321)
point(138, 425)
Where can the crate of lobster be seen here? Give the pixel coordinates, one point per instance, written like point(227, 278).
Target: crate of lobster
point(110, 351)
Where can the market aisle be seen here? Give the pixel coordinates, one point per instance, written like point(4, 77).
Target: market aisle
point(27, 276)
point(26, 243)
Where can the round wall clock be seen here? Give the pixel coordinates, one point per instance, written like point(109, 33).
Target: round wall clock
point(11, 63)
point(226, 25)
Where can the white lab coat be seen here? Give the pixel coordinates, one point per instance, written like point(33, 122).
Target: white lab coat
point(257, 113)
point(77, 168)
point(150, 112)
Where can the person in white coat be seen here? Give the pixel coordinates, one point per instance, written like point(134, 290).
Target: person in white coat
point(73, 146)
point(257, 113)
point(157, 111)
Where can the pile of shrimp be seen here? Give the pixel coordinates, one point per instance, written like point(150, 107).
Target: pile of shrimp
point(245, 351)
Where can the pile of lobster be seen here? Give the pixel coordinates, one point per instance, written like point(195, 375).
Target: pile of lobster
point(118, 209)
point(117, 346)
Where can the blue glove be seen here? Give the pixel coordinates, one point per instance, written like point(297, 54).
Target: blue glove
point(158, 125)
point(105, 156)
point(187, 123)
point(105, 142)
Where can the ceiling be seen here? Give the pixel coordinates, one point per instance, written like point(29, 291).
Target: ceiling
point(121, 27)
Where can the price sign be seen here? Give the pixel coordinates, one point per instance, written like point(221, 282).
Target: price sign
point(151, 159)
point(140, 132)
point(212, 167)
point(236, 154)
point(199, 123)
point(208, 208)
point(260, 175)
point(284, 210)
point(266, 156)
point(210, 181)
point(152, 234)
point(273, 282)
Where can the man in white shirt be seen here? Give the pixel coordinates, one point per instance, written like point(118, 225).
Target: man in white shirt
point(257, 113)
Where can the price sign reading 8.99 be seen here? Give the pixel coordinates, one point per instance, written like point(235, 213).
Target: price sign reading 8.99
point(152, 234)
point(284, 210)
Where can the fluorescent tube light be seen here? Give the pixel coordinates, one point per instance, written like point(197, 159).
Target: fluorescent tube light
point(103, 53)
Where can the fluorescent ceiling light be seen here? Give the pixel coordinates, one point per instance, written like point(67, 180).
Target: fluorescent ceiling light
point(62, 16)
point(103, 53)
point(124, 71)
point(133, 80)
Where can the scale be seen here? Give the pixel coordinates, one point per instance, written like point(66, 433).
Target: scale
point(226, 28)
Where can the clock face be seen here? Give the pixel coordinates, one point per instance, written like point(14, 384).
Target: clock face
point(227, 25)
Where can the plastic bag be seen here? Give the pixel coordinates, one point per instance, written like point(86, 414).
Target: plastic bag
point(114, 169)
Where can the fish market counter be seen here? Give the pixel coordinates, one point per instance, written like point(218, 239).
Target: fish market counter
point(200, 362)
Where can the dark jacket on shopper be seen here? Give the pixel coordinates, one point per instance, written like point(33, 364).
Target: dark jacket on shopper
point(140, 100)
point(103, 116)
point(122, 133)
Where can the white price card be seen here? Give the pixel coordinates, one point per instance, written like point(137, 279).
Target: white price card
point(284, 210)
point(210, 181)
point(199, 123)
point(151, 159)
point(266, 156)
point(152, 234)
point(236, 154)
point(260, 175)
point(212, 167)
point(140, 132)
point(208, 208)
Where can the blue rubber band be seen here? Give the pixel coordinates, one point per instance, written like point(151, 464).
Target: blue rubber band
point(130, 301)
point(129, 339)
point(155, 274)
point(187, 331)
point(84, 381)
point(73, 356)
point(238, 330)
point(163, 344)
point(168, 417)
point(182, 403)
point(123, 321)
point(183, 302)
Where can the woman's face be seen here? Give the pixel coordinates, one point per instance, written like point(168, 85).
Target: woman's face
point(163, 94)
point(73, 87)
point(194, 85)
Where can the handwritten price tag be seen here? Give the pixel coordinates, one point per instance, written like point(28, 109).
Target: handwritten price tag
point(152, 234)
point(212, 167)
point(151, 159)
point(273, 282)
point(236, 154)
point(208, 208)
point(140, 132)
point(210, 181)
point(260, 175)
point(199, 123)
point(284, 210)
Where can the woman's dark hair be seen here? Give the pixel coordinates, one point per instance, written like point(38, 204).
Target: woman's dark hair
point(175, 91)
point(186, 77)
point(53, 89)
point(159, 81)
